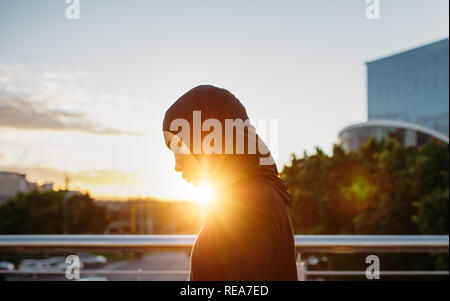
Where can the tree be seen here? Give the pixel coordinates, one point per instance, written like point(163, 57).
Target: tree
point(382, 188)
point(42, 213)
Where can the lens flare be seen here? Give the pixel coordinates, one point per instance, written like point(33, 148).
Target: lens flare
point(203, 194)
point(351, 189)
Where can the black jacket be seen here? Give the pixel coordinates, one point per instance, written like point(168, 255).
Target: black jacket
point(246, 237)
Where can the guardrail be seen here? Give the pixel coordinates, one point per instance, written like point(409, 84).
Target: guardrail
point(337, 244)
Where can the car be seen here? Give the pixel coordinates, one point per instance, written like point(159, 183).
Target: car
point(42, 265)
point(57, 264)
point(29, 265)
point(49, 267)
point(6, 266)
point(89, 260)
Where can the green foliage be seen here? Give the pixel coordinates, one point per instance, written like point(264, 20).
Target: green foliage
point(44, 213)
point(381, 189)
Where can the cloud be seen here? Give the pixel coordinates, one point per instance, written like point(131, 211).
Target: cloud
point(65, 76)
point(64, 101)
point(23, 114)
point(83, 179)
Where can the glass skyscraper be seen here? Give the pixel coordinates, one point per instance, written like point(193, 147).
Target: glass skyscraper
point(408, 99)
point(411, 86)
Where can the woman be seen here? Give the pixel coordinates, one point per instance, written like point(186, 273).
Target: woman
point(247, 233)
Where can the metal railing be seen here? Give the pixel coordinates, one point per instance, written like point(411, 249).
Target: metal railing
point(329, 244)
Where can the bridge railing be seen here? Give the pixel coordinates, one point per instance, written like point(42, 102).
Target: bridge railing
point(328, 244)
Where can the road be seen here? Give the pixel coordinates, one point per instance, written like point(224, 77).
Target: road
point(156, 261)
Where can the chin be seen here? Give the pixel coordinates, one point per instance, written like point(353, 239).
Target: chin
point(189, 180)
point(194, 181)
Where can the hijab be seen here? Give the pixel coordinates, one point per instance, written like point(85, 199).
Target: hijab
point(221, 105)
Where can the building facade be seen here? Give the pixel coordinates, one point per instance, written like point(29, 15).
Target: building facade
point(407, 99)
point(411, 86)
point(12, 183)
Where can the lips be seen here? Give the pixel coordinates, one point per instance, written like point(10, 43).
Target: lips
point(185, 177)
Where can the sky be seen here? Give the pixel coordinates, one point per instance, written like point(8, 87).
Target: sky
point(86, 98)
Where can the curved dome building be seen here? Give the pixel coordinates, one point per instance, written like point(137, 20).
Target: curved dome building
point(408, 134)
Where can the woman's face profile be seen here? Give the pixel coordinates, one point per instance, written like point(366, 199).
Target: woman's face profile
point(185, 163)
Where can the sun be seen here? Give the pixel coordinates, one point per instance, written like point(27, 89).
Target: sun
point(203, 194)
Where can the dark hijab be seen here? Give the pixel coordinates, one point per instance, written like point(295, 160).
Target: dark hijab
point(220, 104)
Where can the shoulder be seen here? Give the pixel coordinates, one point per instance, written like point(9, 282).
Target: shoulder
point(255, 192)
point(248, 208)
